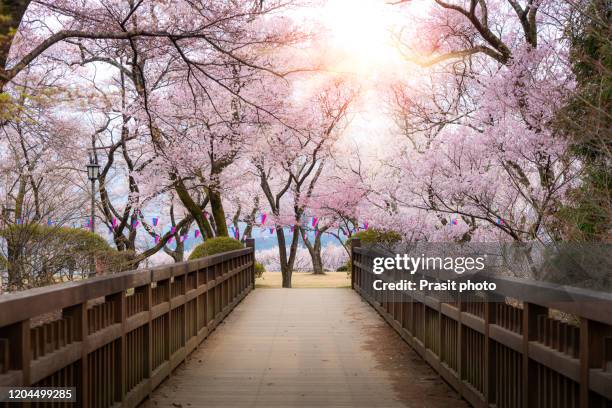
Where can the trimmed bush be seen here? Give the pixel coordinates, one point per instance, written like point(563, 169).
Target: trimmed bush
point(375, 236)
point(259, 269)
point(371, 237)
point(112, 261)
point(43, 254)
point(346, 267)
point(215, 246)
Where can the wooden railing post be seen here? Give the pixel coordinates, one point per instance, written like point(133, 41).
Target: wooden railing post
point(120, 358)
point(592, 354)
point(18, 335)
point(530, 332)
point(355, 243)
point(490, 318)
point(148, 303)
point(250, 243)
point(78, 313)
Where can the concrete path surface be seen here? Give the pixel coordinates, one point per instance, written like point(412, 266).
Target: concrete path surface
point(304, 348)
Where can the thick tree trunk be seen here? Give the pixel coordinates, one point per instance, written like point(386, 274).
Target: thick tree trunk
point(315, 253)
point(250, 221)
point(194, 209)
point(286, 271)
point(317, 263)
point(218, 213)
point(287, 262)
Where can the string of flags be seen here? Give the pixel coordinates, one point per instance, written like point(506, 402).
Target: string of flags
point(311, 222)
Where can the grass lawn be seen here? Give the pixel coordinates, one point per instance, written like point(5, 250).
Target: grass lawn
point(271, 280)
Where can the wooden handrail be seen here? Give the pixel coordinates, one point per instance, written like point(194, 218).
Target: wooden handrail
point(504, 353)
point(115, 338)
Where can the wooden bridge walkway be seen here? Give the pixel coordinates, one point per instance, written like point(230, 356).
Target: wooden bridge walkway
point(195, 334)
point(304, 348)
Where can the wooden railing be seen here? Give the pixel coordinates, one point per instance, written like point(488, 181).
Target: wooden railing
point(115, 338)
point(508, 351)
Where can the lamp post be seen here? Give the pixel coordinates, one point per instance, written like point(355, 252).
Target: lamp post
point(93, 171)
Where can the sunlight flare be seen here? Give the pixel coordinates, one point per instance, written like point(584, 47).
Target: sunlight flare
point(361, 35)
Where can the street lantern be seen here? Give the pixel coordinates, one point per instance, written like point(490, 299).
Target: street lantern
point(93, 169)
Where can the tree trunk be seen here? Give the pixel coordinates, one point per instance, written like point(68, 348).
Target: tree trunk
point(218, 213)
point(315, 252)
point(286, 271)
point(286, 274)
point(317, 264)
point(194, 209)
point(11, 12)
point(250, 220)
point(287, 262)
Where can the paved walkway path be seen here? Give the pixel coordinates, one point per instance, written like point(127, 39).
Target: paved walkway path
point(304, 348)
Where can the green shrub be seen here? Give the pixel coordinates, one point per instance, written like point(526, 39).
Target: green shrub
point(259, 269)
point(371, 237)
point(113, 261)
point(215, 246)
point(346, 267)
point(40, 254)
point(375, 236)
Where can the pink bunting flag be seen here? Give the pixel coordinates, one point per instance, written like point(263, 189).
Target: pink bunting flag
point(173, 230)
point(315, 221)
point(157, 239)
point(170, 240)
point(263, 218)
point(114, 222)
point(500, 221)
point(196, 233)
point(366, 225)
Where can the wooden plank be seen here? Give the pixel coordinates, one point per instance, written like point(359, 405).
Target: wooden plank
point(310, 353)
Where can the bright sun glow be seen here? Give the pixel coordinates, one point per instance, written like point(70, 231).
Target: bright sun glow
point(361, 34)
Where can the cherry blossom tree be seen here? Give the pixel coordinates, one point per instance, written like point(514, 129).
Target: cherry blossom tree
point(291, 162)
point(482, 148)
